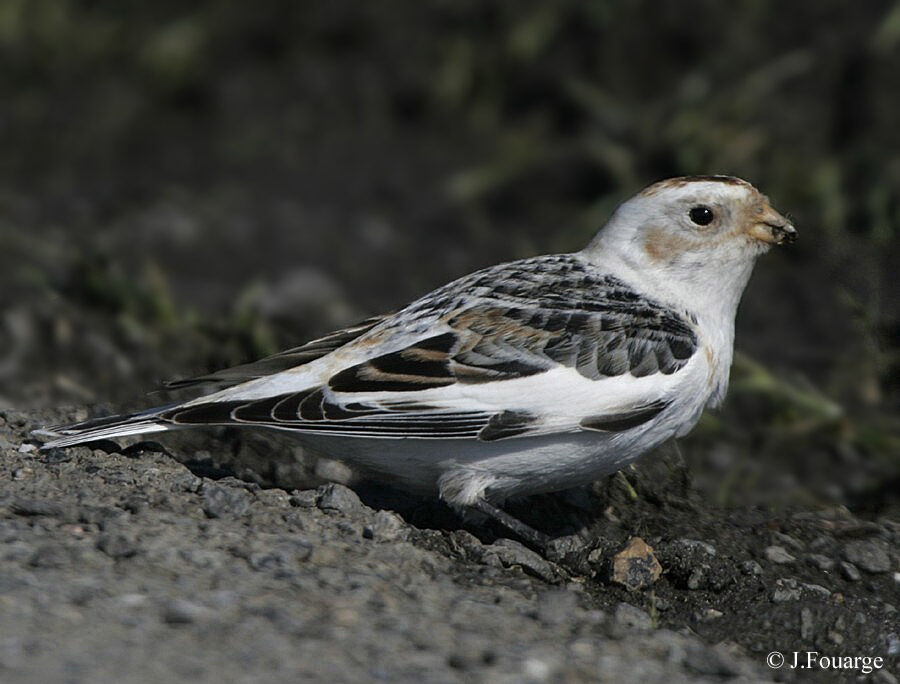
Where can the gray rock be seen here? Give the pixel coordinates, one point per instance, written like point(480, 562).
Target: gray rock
point(850, 571)
point(816, 589)
point(336, 498)
point(869, 554)
point(221, 502)
point(779, 555)
point(695, 544)
point(788, 540)
point(893, 645)
point(561, 547)
point(186, 481)
point(786, 589)
point(305, 498)
point(752, 568)
point(697, 579)
point(466, 545)
point(823, 563)
point(385, 527)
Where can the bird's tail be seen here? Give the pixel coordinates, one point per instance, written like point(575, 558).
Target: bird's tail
point(122, 425)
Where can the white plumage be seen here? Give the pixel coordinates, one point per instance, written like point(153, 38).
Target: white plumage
point(526, 377)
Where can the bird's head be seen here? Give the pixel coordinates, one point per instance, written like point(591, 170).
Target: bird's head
point(694, 229)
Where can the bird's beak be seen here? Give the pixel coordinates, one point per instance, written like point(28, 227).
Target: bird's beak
point(772, 228)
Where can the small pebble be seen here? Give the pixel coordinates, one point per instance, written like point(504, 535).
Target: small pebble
point(186, 481)
point(696, 544)
point(817, 589)
point(778, 554)
point(870, 555)
point(305, 498)
point(635, 566)
point(824, 563)
point(751, 567)
point(336, 498)
point(788, 540)
point(385, 526)
point(850, 571)
point(220, 502)
point(710, 614)
point(786, 589)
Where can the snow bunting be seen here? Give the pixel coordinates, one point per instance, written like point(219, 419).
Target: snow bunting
point(531, 376)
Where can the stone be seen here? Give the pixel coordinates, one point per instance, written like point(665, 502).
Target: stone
point(850, 571)
point(779, 555)
point(385, 526)
point(706, 547)
point(635, 567)
point(221, 502)
point(820, 561)
point(336, 498)
point(870, 555)
point(817, 589)
point(786, 589)
point(752, 568)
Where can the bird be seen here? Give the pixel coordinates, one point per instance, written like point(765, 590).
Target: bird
point(527, 377)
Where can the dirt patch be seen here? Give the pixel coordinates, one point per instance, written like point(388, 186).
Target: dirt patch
point(133, 565)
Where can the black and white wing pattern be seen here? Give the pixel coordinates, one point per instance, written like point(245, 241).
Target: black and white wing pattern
point(451, 352)
point(290, 358)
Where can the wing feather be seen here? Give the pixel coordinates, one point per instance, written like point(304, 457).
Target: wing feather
point(511, 322)
point(290, 358)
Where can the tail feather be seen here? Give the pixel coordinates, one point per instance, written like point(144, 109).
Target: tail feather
point(93, 430)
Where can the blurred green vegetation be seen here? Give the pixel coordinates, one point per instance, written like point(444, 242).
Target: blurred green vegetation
point(173, 172)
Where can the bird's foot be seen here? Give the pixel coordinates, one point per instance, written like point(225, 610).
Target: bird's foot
point(532, 537)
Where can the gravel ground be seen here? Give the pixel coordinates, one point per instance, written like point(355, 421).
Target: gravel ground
point(133, 567)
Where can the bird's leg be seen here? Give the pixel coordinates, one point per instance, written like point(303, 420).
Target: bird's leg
point(678, 466)
point(535, 539)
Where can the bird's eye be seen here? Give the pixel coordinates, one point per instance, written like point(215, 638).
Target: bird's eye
point(701, 215)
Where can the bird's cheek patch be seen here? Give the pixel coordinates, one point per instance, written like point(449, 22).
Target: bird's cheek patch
point(664, 247)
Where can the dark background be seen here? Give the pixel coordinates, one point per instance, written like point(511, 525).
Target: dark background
point(189, 185)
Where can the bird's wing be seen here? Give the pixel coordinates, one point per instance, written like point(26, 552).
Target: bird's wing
point(290, 358)
point(488, 356)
